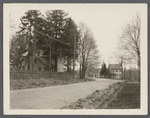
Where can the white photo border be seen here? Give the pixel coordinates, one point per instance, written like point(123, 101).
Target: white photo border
point(144, 68)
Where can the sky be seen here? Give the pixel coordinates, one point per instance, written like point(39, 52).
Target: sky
point(105, 20)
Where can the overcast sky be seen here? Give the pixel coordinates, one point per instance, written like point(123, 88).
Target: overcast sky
point(105, 20)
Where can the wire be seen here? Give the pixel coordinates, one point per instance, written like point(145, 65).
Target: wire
point(50, 36)
point(53, 38)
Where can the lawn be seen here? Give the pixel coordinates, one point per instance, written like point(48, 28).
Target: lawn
point(36, 83)
point(128, 98)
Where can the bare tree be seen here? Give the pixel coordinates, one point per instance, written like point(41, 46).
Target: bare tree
point(130, 41)
point(88, 53)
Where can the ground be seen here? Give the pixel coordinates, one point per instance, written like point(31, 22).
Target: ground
point(98, 94)
point(56, 97)
point(37, 83)
point(128, 98)
point(97, 100)
point(121, 95)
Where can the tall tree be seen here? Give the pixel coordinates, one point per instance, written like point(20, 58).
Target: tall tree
point(88, 54)
point(62, 28)
point(18, 50)
point(70, 35)
point(103, 70)
point(29, 26)
point(56, 21)
point(130, 41)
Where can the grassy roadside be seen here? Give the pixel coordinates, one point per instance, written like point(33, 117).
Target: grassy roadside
point(37, 83)
point(97, 100)
point(121, 95)
point(128, 98)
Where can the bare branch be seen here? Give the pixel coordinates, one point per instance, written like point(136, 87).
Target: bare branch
point(130, 39)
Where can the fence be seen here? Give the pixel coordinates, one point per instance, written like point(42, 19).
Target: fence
point(131, 75)
point(22, 74)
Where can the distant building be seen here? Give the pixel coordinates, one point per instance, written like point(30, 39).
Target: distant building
point(94, 72)
point(115, 70)
point(97, 73)
point(41, 64)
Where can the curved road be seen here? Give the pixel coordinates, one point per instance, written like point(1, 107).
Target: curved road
point(57, 96)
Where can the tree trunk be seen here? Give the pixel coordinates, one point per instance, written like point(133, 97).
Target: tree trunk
point(70, 65)
point(83, 68)
point(80, 70)
point(28, 62)
point(28, 57)
point(50, 59)
point(55, 68)
point(139, 67)
point(83, 71)
point(34, 51)
point(67, 63)
point(34, 42)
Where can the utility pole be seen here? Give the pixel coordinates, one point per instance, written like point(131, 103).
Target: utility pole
point(34, 41)
point(74, 55)
point(50, 49)
point(28, 51)
point(50, 52)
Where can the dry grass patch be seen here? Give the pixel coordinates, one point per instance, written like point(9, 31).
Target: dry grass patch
point(97, 100)
point(36, 83)
point(128, 98)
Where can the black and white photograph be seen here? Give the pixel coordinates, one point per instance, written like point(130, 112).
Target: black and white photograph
point(75, 59)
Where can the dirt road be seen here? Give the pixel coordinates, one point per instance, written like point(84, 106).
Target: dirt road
point(57, 96)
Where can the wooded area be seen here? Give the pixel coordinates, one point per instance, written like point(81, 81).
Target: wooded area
point(50, 36)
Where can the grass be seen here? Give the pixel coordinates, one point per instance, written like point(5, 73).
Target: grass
point(128, 98)
point(97, 100)
point(17, 84)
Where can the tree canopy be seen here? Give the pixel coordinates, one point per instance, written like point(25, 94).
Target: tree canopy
point(53, 35)
point(38, 28)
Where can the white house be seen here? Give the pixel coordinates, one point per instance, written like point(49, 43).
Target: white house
point(116, 70)
point(41, 64)
point(60, 65)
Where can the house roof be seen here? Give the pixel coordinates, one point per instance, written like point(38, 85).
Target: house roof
point(114, 65)
point(42, 60)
